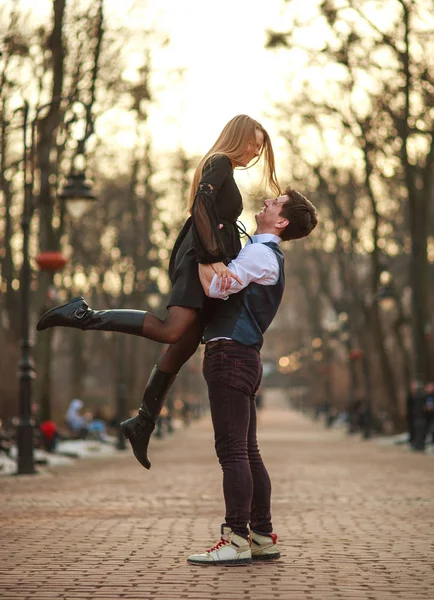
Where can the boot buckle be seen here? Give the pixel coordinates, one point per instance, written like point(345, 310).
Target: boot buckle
point(80, 313)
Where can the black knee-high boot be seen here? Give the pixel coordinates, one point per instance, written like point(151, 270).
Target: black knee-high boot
point(138, 429)
point(78, 315)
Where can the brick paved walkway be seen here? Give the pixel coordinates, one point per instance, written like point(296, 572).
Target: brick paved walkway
point(355, 520)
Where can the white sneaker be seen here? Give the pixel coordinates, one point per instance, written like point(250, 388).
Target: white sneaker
point(264, 547)
point(232, 550)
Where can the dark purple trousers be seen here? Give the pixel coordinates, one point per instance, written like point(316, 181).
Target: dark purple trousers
point(233, 373)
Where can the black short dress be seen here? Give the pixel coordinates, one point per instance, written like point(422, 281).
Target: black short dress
point(217, 201)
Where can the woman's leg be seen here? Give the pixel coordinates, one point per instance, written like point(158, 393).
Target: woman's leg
point(138, 429)
point(179, 353)
point(171, 329)
point(78, 315)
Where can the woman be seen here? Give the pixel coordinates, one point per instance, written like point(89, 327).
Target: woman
point(210, 236)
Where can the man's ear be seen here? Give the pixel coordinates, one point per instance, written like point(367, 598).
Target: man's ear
point(282, 224)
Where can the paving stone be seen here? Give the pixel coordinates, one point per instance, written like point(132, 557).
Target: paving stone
point(354, 520)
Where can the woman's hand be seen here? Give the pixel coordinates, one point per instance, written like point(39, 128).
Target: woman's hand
point(206, 275)
point(224, 275)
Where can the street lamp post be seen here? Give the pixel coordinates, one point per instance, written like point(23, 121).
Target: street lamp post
point(26, 371)
point(25, 367)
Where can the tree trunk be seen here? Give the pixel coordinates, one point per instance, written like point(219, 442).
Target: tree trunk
point(48, 238)
point(6, 261)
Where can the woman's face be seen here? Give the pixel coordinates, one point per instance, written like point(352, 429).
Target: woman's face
point(253, 149)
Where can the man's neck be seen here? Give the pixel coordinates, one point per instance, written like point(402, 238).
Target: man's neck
point(260, 231)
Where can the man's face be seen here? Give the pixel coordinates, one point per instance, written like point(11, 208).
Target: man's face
point(270, 214)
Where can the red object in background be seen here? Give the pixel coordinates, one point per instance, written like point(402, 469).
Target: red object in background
point(49, 429)
point(51, 261)
point(356, 353)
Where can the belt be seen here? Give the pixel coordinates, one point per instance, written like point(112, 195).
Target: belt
point(214, 343)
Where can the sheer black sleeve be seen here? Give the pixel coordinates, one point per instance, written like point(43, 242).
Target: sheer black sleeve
point(206, 237)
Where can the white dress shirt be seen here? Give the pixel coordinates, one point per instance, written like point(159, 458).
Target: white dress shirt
point(255, 263)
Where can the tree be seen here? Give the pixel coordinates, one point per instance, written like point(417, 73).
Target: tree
point(371, 124)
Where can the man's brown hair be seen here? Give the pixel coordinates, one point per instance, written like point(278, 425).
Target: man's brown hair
point(301, 214)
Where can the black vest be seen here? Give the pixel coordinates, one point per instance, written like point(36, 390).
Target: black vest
point(245, 316)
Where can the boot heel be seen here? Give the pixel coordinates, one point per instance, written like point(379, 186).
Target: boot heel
point(124, 430)
point(138, 436)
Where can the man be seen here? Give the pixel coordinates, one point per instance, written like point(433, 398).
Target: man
point(233, 371)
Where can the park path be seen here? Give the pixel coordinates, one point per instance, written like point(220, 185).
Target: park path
point(355, 520)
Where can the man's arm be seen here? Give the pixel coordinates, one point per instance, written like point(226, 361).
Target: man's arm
point(255, 263)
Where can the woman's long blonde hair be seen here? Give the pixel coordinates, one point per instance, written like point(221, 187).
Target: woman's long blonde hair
point(233, 142)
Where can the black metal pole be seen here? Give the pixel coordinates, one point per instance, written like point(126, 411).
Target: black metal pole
point(25, 368)
point(121, 393)
point(418, 398)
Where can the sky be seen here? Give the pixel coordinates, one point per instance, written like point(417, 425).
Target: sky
point(219, 49)
point(214, 67)
point(219, 46)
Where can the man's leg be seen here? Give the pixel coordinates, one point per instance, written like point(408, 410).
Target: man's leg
point(231, 372)
point(263, 539)
point(260, 518)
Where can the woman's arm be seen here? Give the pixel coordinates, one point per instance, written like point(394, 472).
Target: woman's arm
point(206, 237)
point(206, 275)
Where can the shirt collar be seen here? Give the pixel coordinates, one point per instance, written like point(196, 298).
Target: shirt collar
point(262, 238)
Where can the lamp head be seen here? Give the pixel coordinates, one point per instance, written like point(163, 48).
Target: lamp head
point(77, 194)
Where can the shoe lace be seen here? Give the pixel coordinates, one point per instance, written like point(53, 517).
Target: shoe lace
point(219, 544)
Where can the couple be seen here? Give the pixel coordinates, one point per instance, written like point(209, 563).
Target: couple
point(252, 281)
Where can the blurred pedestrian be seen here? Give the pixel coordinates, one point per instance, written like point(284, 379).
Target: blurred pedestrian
point(355, 417)
point(6, 439)
point(429, 412)
point(409, 404)
point(97, 426)
point(49, 435)
point(210, 236)
point(75, 420)
point(233, 372)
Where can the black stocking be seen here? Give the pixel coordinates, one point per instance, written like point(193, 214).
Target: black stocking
point(178, 354)
point(170, 330)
